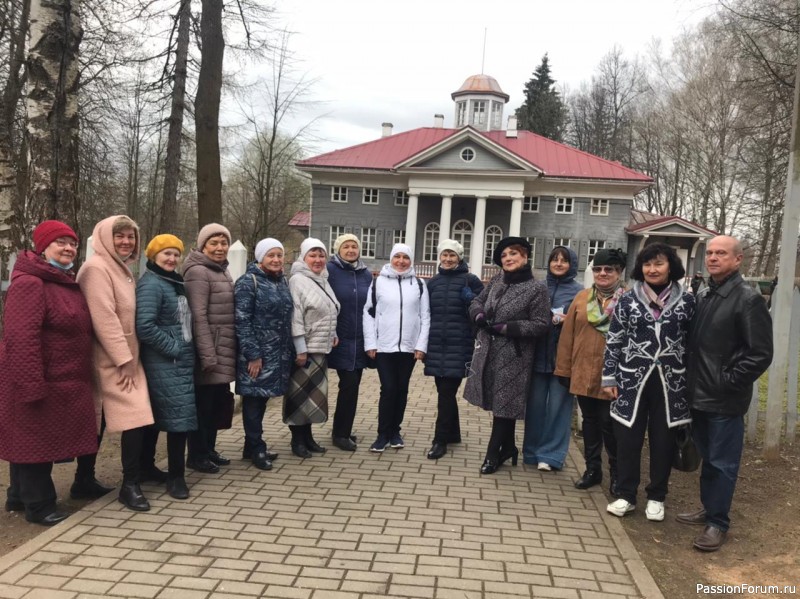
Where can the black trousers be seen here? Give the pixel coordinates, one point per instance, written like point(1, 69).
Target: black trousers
point(204, 439)
point(253, 410)
point(346, 402)
point(32, 484)
point(651, 416)
point(394, 371)
point(448, 427)
point(131, 445)
point(502, 438)
point(149, 442)
point(598, 431)
point(176, 454)
point(86, 463)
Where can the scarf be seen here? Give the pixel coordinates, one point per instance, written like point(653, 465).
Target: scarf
point(657, 297)
point(601, 304)
point(517, 276)
point(713, 285)
point(183, 315)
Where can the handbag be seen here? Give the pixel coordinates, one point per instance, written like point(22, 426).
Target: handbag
point(223, 410)
point(685, 456)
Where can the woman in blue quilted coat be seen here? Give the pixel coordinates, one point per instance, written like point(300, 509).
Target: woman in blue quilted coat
point(451, 339)
point(350, 279)
point(264, 334)
point(644, 370)
point(164, 328)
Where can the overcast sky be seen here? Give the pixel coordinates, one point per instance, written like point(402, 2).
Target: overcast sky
point(378, 60)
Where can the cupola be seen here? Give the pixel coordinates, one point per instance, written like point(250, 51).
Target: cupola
point(479, 102)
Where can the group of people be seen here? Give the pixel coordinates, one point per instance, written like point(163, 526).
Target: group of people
point(102, 351)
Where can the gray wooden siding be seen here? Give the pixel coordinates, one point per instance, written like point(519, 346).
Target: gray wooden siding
point(484, 160)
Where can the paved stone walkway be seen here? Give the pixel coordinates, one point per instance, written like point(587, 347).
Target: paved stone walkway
point(346, 526)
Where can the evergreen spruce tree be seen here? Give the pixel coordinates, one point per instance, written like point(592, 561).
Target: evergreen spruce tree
point(543, 111)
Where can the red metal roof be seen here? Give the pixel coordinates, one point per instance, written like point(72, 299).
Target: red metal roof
point(552, 158)
point(301, 220)
point(641, 220)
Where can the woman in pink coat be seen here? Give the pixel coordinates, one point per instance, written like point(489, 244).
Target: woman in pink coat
point(46, 407)
point(120, 384)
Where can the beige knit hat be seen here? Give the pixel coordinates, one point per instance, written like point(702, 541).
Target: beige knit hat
point(209, 231)
point(342, 238)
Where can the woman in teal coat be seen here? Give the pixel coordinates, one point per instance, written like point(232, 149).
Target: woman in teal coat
point(164, 327)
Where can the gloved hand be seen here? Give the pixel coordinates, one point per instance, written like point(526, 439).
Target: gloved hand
point(564, 381)
point(499, 328)
point(480, 321)
point(467, 295)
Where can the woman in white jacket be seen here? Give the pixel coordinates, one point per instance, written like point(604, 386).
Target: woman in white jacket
point(396, 324)
point(314, 334)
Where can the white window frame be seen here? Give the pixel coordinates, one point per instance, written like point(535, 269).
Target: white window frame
point(400, 197)
point(369, 194)
point(528, 204)
point(369, 239)
point(497, 115)
point(532, 241)
point(430, 242)
point(337, 192)
point(461, 111)
point(467, 149)
point(336, 231)
point(599, 207)
point(560, 241)
point(594, 246)
point(464, 235)
point(489, 243)
point(478, 117)
point(398, 236)
point(565, 205)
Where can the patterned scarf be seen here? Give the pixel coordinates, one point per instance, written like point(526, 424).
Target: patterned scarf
point(657, 301)
point(601, 304)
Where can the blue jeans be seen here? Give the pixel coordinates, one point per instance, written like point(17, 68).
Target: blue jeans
point(548, 419)
point(719, 439)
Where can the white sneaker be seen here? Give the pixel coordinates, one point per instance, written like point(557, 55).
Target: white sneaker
point(544, 466)
point(655, 510)
point(620, 507)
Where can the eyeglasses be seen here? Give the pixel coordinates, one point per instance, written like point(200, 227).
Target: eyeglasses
point(604, 269)
point(62, 243)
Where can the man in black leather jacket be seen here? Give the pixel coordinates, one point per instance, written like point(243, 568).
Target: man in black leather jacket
point(730, 347)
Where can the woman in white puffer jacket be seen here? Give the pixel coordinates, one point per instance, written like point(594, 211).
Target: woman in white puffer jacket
point(396, 325)
point(314, 334)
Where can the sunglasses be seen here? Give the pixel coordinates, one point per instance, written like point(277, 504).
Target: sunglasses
point(604, 269)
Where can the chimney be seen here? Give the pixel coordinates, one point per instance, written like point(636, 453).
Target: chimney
point(387, 129)
point(512, 127)
point(438, 121)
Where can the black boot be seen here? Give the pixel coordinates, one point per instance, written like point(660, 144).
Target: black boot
point(312, 445)
point(131, 496)
point(176, 487)
point(88, 488)
point(152, 474)
point(299, 442)
point(589, 479)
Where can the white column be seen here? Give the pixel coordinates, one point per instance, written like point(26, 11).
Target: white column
point(515, 226)
point(478, 233)
point(445, 218)
point(411, 222)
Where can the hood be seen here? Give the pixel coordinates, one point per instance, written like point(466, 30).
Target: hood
point(460, 268)
point(301, 268)
point(29, 263)
point(571, 273)
point(103, 239)
point(388, 271)
point(196, 258)
point(337, 260)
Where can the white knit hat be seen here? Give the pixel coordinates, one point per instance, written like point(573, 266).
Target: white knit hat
point(264, 246)
point(346, 237)
point(402, 248)
point(312, 243)
point(452, 245)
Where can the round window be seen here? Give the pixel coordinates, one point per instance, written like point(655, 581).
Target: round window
point(467, 154)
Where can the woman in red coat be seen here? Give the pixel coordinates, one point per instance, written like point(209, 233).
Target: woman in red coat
point(46, 408)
